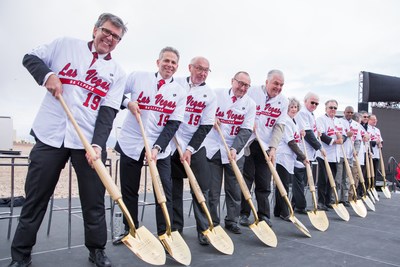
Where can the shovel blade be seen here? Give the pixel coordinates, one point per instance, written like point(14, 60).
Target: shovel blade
point(371, 196)
point(386, 192)
point(359, 208)
point(319, 219)
point(146, 246)
point(264, 233)
point(375, 194)
point(299, 225)
point(368, 202)
point(176, 247)
point(341, 211)
point(220, 240)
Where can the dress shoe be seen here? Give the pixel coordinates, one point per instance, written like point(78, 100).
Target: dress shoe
point(346, 203)
point(300, 211)
point(23, 263)
point(99, 257)
point(266, 219)
point(233, 228)
point(244, 220)
point(329, 206)
point(118, 240)
point(285, 218)
point(202, 239)
point(322, 207)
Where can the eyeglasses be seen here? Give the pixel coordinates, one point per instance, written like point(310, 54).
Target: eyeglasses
point(314, 103)
point(107, 33)
point(335, 108)
point(365, 117)
point(241, 84)
point(201, 69)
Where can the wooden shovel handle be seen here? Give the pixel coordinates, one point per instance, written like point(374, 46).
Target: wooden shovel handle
point(155, 176)
point(310, 177)
point(98, 164)
point(359, 170)
point(347, 165)
point(192, 178)
point(236, 170)
point(382, 164)
point(275, 174)
point(328, 169)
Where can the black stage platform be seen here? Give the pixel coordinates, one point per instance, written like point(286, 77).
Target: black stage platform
point(371, 241)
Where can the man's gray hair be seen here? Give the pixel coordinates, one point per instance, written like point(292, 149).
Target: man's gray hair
point(274, 72)
point(309, 95)
point(168, 49)
point(115, 20)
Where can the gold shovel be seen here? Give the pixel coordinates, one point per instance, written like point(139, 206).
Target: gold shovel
point(384, 188)
point(260, 228)
point(339, 208)
point(365, 196)
point(283, 192)
point(356, 204)
point(367, 163)
point(372, 171)
point(140, 241)
point(172, 241)
point(215, 234)
point(317, 217)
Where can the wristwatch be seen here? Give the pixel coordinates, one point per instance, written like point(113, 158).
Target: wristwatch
point(157, 147)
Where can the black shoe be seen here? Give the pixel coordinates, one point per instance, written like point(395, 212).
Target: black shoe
point(322, 207)
point(244, 220)
point(329, 206)
point(202, 239)
point(346, 203)
point(24, 263)
point(99, 257)
point(118, 240)
point(285, 218)
point(267, 220)
point(233, 228)
point(300, 211)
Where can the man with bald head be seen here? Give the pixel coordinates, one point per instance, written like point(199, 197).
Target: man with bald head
point(198, 121)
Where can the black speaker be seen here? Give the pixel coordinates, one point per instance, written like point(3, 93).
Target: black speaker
point(362, 106)
point(380, 88)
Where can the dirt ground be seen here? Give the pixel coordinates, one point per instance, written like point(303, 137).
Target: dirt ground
point(61, 190)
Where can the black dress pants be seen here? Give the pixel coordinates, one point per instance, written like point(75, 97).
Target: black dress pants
point(44, 170)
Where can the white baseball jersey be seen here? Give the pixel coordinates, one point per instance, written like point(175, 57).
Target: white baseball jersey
point(85, 89)
point(156, 106)
point(306, 121)
point(375, 135)
point(354, 127)
point(233, 117)
point(284, 154)
point(269, 111)
point(201, 104)
point(361, 152)
point(330, 126)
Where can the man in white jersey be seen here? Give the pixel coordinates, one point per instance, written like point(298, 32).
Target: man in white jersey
point(160, 101)
point(306, 121)
point(91, 83)
point(358, 139)
point(351, 130)
point(201, 104)
point(375, 142)
point(271, 112)
point(331, 131)
point(235, 114)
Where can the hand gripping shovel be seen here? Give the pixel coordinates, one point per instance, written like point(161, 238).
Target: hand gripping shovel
point(365, 197)
point(283, 192)
point(356, 204)
point(339, 208)
point(140, 240)
point(384, 188)
point(317, 217)
point(172, 241)
point(215, 234)
point(368, 167)
point(260, 228)
point(372, 172)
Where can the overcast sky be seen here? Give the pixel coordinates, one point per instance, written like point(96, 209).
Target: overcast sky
point(321, 46)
